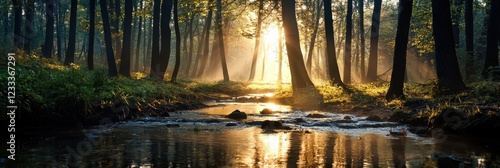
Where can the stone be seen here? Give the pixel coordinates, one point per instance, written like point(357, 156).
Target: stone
point(231, 124)
point(267, 124)
point(237, 115)
point(173, 125)
point(374, 118)
point(347, 118)
point(316, 115)
point(266, 111)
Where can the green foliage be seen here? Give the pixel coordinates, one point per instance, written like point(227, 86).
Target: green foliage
point(225, 87)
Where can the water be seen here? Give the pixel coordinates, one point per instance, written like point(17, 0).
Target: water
point(203, 140)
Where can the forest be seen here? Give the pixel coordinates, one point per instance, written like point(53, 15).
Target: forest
point(428, 68)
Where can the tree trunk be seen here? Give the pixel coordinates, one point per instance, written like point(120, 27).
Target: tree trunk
point(280, 54)
point(313, 38)
point(177, 44)
point(347, 51)
point(127, 40)
point(333, 68)
point(116, 28)
point(49, 29)
point(90, 54)
point(257, 41)
point(456, 20)
point(191, 43)
point(492, 38)
point(300, 79)
point(139, 36)
point(201, 39)
point(155, 54)
point(166, 36)
point(373, 60)
point(222, 51)
point(18, 39)
point(70, 51)
point(399, 64)
point(469, 38)
point(362, 35)
point(206, 42)
point(107, 38)
point(148, 47)
point(59, 32)
point(448, 72)
point(28, 26)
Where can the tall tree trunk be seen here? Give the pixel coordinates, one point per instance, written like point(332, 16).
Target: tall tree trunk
point(201, 39)
point(139, 36)
point(347, 51)
point(492, 38)
point(263, 61)
point(222, 51)
point(456, 13)
point(155, 54)
point(116, 28)
point(191, 43)
point(59, 32)
point(127, 40)
point(177, 44)
point(362, 43)
point(373, 60)
point(107, 38)
point(28, 25)
point(257, 41)
point(70, 51)
point(18, 39)
point(448, 72)
point(399, 64)
point(469, 38)
point(300, 79)
point(49, 29)
point(206, 42)
point(280, 54)
point(166, 36)
point(313, 38)
point(148, 47)
point(90, 54)
point(333, 68)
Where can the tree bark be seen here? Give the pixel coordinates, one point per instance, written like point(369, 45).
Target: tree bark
point(222, 51)
point(49, 29)
point(313, 38)
point(166, 36)
point(333, 68)
point(492, 38)
point(139, 36)
point(448, 72)
point(191, 43)
point(347, 51)
point(257, 41)
point(127, 40)
point(70, 51)
point(177, 44)
point(456, 20)
point(59, 32)
point(155, 54)
point(469, 38)
point(362, 43)
point(399, 65)
point(206, 42)
point(300, 79)
point(116, 28)
point(373, 60)
point(90, 53)
point(280, 55)
point(107, 38)
point(28, 26)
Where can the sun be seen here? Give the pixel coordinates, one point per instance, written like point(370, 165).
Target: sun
point(271, 34)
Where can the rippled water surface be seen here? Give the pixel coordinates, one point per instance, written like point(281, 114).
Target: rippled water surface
point(201, 138)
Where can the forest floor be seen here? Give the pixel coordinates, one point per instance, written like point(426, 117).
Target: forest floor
point(49, 93)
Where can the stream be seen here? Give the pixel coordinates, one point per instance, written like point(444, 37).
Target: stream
point(201, 138)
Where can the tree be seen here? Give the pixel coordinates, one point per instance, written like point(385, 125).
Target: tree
point(28, 26)
point(256, 49)
point(166, 37)
point(116, 27)
point(333, 69)
point(492, 39)
point(455, 16)
point(18, 39)
point(139, 36)
point(448, 72)
point(347, 50)
point(177, 43)
point(70, 51)
point(127, 37)
point(313, 36)
point(155, 54)
point(300, 79)
point(206, 41)
point(107, 39)
point(59, 31)
point(371, 75)
point(469, 38)
point(90, 53)
point(218, 20)
point(49, 29)
point(399, 65)
point(362, 36)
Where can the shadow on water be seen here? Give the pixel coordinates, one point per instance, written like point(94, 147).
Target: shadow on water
point(149, 143)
